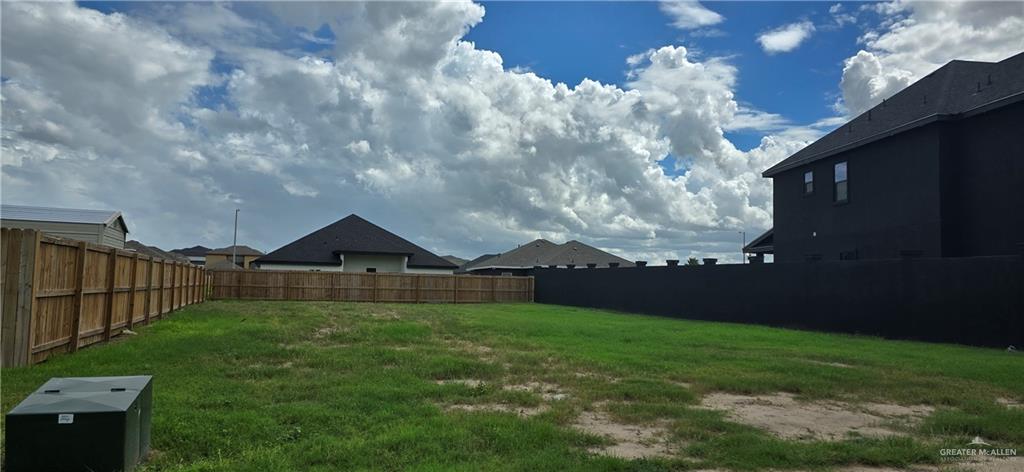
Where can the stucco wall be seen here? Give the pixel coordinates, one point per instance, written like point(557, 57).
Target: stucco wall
point(381, 262)
point(427, 270)
point(306, 267)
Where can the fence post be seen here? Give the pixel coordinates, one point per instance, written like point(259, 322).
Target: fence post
point(146, 307)
point(530, 291)
point(455, 289)
point(108, 316)
point(160, 298)
point(374, 290)
point(494, 297)
point(418, 280)
point(11, 332)
point(131, 294)
point(20, 282)
point(28, 305)
point(76, 315)
point(238, 285)
point(174, 286)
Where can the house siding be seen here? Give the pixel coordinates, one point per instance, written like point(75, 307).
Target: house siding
point(381, 262)
point(893, 205)
point(983, 174)
point(113, 236)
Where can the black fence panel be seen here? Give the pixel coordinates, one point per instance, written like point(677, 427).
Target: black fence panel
point(976, 301)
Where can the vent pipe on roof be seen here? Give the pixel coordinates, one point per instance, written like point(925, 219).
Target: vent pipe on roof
point(990, 79)
point(926, 99)
point(883, 103)
point(979, 86)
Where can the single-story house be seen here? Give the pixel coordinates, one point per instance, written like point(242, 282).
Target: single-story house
point(153, 251)
point(543, 253)
point(353, 244)
point(195, 254)
point(104, 227)
point(244, 255)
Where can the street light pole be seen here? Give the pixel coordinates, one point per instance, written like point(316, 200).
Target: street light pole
point(743, 255)
point(234, 241)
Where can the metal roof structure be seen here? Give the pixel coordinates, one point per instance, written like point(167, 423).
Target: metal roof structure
point(61, 215)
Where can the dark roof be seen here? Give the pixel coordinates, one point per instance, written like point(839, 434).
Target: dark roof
point(763, 243)
point(959, 88)
point(153, 251)
point(61, 215)
point(240, 250)
point(469, 264)
point(352, 234)
point(192, 251)
point(544, 253)
point(455, 260)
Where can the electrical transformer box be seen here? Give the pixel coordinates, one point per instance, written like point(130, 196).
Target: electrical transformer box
point(97, 424)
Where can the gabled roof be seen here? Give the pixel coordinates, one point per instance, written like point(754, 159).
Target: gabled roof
point(240, 250)
point(153, 251)
point(193, 251)
point(544, 253)
point(957, 89)
point(455, 259)
point(763, 243)
point(62, 215)
point(352, 235)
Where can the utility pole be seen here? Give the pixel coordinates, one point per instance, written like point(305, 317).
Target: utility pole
point(234, 241)
point(743, 255)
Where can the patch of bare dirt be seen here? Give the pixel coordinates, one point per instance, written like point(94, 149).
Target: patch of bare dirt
point(521, 411)
point(830, 364)
point(630, 441)
point(547, 391)
point(467, 382)
point(1009, 402)
point(384, 314)
point(788, 418)
point(325, 331)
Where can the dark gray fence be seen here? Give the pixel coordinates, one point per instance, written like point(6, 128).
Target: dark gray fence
point(977, 301)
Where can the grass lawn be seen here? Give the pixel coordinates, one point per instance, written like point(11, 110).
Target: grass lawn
point(267, 386)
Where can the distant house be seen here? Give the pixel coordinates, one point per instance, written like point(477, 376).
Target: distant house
point(544, 253)
point(455, 260)
point(195, 254)
point(353, 244)
point(937, 170)
point(244, 255)
point(153, 251)
point(104, 227)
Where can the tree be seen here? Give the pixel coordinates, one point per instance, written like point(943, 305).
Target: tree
point(692, 261)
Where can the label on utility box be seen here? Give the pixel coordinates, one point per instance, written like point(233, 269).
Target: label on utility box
point(65, 418)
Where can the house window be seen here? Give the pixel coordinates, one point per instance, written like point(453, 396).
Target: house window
point(371, 269)
point(842, 187)
point(808, 182)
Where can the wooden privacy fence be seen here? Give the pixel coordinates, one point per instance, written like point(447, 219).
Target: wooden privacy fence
point(370, 287)
point(61, 295)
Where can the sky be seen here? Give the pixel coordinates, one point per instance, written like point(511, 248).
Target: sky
point(467, 128)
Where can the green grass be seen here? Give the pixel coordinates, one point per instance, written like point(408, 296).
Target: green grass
point(339, 386)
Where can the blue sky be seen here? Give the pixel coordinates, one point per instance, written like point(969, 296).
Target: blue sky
point(801, 85)
point(300, 113)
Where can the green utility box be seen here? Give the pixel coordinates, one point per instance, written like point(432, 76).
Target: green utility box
point(98, 424)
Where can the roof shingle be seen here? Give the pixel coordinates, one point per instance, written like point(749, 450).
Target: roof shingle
point(956, 88)
point(352, 234)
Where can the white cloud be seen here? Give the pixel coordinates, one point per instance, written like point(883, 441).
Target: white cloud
point(916, 38)
point(690, 14)
point(402, 122)
point(785, 38)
